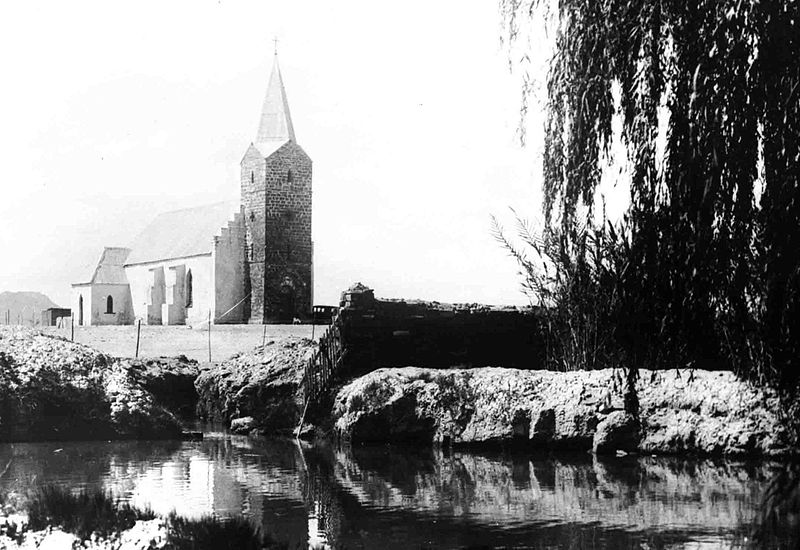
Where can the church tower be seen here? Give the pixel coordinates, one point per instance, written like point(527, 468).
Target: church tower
point(276, 203)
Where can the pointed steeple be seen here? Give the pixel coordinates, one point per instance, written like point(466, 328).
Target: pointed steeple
point(276, 122)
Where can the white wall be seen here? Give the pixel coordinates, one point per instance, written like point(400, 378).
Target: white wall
point(228, 257)
point(121, 296)
point(84, 291)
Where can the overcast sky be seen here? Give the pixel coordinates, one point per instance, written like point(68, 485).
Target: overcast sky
point(112, 112)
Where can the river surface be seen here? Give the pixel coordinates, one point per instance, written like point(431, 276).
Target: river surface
point(391, 497)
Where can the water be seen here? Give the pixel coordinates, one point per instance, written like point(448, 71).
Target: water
point(390, 497)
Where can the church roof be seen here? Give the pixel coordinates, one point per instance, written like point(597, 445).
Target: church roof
point(276, 121)
point(181, 233)
point(108, 270)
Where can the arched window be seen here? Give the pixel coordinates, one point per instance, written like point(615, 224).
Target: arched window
point(289, 177)
point(109, 305)
point(252, 177)
point(189, 288)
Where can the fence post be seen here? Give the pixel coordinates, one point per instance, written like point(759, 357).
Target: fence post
point(72, 333)
point(209, 335)
point(138, 331)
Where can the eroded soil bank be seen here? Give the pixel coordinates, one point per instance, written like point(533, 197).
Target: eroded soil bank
point(257, 391)
point(54, 389)
point(681, 411)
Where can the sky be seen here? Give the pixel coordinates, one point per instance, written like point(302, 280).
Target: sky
point(112, 112)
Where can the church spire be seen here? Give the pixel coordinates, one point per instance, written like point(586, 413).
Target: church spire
point(276, 122)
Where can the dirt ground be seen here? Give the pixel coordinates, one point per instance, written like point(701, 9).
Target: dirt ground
point(157, 341)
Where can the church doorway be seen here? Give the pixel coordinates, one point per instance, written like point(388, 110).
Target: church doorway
point(80, 310)
point(286, 308)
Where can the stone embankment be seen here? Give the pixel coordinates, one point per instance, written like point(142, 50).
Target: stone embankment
point(54, 389)
point(257, 391)
point(681, 411)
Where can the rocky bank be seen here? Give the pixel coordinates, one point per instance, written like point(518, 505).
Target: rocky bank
point(681, 411)
point(54, 389)
point(257, 391)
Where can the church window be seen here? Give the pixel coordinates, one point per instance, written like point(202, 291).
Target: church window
point(189, 288)
point(252, 217)
point(109, 305)
point(289, 177)
point(252, 177)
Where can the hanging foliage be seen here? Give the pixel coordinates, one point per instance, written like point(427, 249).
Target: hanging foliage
point(708, 97)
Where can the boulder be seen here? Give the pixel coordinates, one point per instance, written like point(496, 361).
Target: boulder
point(243, 425)
point(264, 383)
point(619, 431)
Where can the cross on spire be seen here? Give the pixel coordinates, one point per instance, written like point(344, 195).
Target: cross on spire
point(275, 42)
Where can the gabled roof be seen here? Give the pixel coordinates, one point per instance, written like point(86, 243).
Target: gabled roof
point(181, 233)
point(276, 121)
point(266, 148)
point(108, 270)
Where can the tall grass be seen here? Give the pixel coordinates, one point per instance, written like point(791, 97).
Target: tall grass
point(83, 513)
point(86, 514)
point(580, 280)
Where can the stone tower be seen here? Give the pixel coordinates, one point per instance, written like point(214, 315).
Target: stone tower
point(276, 203)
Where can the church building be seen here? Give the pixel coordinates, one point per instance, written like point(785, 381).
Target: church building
point(250, 262)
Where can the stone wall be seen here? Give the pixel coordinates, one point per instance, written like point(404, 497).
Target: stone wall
point(276, 197)
point(393, 333)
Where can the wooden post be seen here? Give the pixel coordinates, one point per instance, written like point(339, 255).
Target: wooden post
point(209, 335)
point(138, 331)
point(264, 335)
point(72, 322)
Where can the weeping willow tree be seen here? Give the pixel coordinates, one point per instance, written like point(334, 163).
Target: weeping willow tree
point(704, 268)
point(708, 96)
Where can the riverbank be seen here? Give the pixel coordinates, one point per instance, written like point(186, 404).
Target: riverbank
point(54, 389)
point(681, 411)
point(258, 391)
point(59, 390)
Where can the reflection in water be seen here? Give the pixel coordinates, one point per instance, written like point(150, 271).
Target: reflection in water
point(392, 497)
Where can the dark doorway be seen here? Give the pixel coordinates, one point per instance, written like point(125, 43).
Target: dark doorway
point(287, 312)
point(189, 288)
